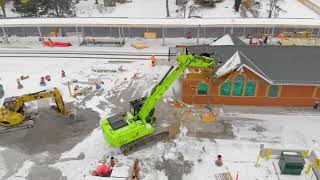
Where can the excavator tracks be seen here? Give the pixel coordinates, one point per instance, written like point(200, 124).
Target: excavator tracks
point(144, 141)
point(24, 125)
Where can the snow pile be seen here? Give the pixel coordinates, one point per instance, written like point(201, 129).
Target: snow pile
point(3, 168)
point(23, 171)
point(230, 65)
point(224, 40)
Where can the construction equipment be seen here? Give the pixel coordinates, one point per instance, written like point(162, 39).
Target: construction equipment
point(13, 117)
point(133, 129)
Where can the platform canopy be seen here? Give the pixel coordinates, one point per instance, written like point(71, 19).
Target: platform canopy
point(166, 22)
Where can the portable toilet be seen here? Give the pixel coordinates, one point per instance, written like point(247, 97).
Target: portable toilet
point(291, 163)
point(1, 91)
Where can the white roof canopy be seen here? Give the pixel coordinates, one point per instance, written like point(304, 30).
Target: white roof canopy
point(125, 22)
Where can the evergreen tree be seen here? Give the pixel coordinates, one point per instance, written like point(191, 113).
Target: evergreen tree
point(27, 8)
point(45, 8)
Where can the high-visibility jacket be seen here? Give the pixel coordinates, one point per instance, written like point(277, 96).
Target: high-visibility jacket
point(103, 170)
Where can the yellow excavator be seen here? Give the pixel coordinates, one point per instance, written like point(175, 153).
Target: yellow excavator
point(13, 116)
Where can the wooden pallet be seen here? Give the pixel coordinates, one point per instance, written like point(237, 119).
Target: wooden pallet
point(223, 176)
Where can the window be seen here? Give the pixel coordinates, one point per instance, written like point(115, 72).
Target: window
point(202, 89)
point(238, 86)
point(273, 91)
point(225, 89)
point(250, 88)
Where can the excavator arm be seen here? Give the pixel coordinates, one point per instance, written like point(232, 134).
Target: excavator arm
point(12, 116)
point(55, 93)
point(160, 89)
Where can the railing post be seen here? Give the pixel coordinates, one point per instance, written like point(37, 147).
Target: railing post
point(163, 37)
point(78, 35)
point(39, 31)
point(272, 34)
point(83, 35)
point(198, 34)
point(123, 36)
point(5, 35)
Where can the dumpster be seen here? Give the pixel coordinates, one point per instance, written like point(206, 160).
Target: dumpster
point(291, 163)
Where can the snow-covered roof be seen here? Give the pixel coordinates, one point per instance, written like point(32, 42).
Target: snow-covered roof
point(232, 64)
point(165, 22)
point(224, 40)
point(275, 64)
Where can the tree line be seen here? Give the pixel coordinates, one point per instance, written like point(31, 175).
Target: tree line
point(41, 8)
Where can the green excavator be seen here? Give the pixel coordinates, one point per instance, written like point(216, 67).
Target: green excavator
point(132, 130)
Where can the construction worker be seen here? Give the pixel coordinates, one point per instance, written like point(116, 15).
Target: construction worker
point(316, 105)
point(153, 60)
point(42, 82)
point(48, 77)
point(102, 170)
point(63, 74)
point(112, 162)
point(20, 86)
point(136, 170)
point(51, 43)
point(219, 161)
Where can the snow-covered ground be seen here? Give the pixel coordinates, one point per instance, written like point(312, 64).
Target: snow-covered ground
point(157, 9)
point(317, 2)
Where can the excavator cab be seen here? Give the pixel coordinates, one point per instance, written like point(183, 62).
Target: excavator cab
point(136, 105)
point(10, 103)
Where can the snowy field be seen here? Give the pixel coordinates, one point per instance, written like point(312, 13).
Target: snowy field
point(274, 127)
point(157, 9)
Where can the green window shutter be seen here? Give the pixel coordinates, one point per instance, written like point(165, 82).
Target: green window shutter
point(250, 88)
point(226, 89)
point(238, 86)
point(202, 89)
point(273, 91)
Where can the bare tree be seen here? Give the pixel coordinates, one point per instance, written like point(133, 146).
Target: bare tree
point(167, 7)
point(274, 8)
point(3, 5)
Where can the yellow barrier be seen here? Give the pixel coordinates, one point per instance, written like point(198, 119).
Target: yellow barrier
point(305, 154)
point(318, 163)
point(258, 160)
point(309, 169)
point(269, 152)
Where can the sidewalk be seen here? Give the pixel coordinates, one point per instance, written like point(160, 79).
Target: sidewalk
point(155, 45)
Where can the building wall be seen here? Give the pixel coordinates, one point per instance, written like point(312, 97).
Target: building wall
point(298, 96)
